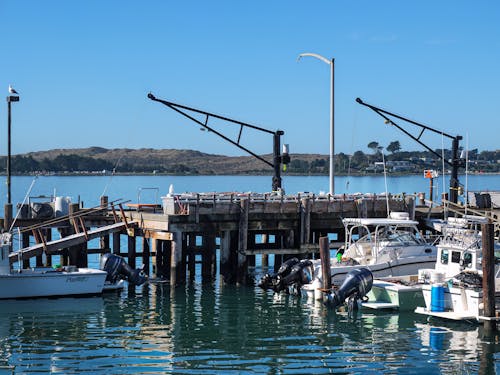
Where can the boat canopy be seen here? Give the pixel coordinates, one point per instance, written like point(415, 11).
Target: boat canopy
point(379, 221)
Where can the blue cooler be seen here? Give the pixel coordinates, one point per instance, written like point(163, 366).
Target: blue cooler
point(437, 298)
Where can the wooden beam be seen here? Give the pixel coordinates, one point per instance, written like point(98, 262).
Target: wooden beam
point(54, 247)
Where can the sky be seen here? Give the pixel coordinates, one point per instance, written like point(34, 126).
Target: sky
point(83, 70)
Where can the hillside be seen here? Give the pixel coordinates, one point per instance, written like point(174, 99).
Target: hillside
point(147, 160)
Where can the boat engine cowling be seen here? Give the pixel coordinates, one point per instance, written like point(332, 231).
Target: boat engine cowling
point(357, 284)
point(269, 281)
point(117, 268)
point(292, 271)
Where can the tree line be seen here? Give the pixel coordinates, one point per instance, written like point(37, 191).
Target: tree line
point(357, 163)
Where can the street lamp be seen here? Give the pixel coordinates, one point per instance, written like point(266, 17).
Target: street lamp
point(381, 150)
point(332, 133)
point(10, 99)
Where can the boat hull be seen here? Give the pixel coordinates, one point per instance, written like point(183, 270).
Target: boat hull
point(51, 283)
point(388, 294)
point(459, 303)
point(398, 268)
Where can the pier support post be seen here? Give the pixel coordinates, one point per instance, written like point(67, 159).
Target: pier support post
point(132, 250)
point(305, 221)
point(488, 244)
point(324, 251)
point(25, 238)
point(48, 238)
point(116, 243)
point(241, 270)
point(78, 253)
point(208, 257)
point(265, 257)
point(176, 259)
point(162, 249)
point(251, 245)
point(104, 241)
point(7, 220)
point(228, 256)
point(191, 255)
point(145, 255)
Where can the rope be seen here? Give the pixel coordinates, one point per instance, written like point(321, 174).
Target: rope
point(111, 177)
point(24, 200)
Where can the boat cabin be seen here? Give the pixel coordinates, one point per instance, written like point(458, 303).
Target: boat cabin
point(375, 240)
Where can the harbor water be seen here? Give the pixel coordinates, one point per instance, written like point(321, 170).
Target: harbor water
point(214, 328)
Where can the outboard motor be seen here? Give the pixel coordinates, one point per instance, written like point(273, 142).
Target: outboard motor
point(356, 285)
point(269, 281)
point(301, 273)
point(117, 268)
point(292, 271)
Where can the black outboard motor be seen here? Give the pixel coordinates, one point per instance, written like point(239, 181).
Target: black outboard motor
point(292, 271)
point(117, 268)
point(301, 273)
point(356, 285)
point(269, 281)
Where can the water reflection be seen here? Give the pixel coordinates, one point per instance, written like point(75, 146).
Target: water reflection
point(206, 328)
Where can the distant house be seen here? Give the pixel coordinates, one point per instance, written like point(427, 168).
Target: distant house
point(399, 165)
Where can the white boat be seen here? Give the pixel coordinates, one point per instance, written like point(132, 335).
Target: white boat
point(400, 293)
point(391, 247)
point(45, 281)
point(453, 288)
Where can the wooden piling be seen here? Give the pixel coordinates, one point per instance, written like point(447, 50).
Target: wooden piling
point(176, 259)
point(305, 221)
point(265, 257)
point(25, 242)
point(132, 250)
point(145, 255)
point(324, 251)
point(241, 269)
point(225, 255)
point(104, 240)
point(488, 245)
point(116, 243)
point(48, 238)
point(7, 219)
point(191, 255)
point(207, 256)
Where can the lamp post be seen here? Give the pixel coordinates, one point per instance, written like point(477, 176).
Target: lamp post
point(332, 103)
point(10, 99)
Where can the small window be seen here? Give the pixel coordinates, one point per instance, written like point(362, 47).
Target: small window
point(455, 257)
point(467, 259)
point(444, 257)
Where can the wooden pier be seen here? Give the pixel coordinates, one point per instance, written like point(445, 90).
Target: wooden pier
point(194, 226)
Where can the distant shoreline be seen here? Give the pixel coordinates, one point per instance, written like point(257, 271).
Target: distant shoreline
point(100, 174)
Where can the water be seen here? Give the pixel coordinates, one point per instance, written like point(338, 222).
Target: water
point(213, 328)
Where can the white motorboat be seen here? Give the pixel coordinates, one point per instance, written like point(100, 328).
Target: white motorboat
point(388, 247)
point(394, 293)
point(453, 288)
point(391, 247)
point(45, 281)
point(64, 281)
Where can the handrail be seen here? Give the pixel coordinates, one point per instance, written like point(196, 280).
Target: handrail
point(64, 218)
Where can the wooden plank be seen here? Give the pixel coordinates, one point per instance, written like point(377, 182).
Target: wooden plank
point(53, 247)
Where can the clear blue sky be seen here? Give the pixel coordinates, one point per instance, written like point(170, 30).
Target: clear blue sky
point(84, 68)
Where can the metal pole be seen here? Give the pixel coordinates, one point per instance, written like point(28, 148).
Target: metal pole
point(9, 200)
point(277, 160)
point(332, 70)
point(455, 164)
point(488, 247)
point(332, 127)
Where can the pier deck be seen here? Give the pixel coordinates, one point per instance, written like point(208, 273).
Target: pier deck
point(240, 226)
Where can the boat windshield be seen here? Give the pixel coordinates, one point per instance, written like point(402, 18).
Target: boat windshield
point(398, 237)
